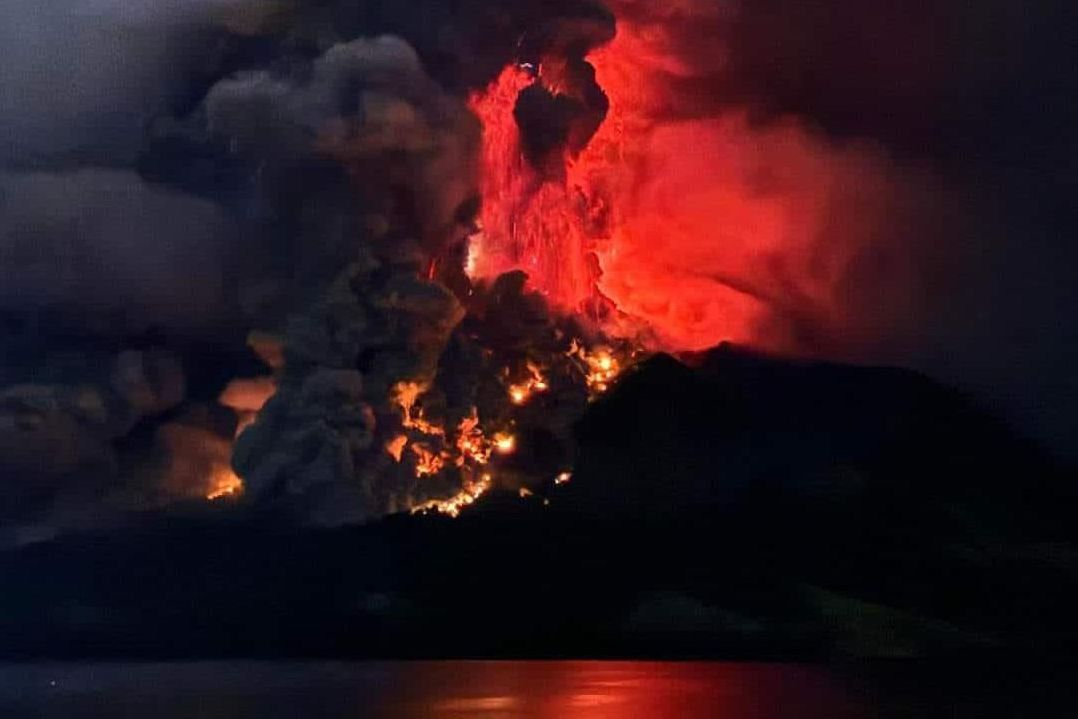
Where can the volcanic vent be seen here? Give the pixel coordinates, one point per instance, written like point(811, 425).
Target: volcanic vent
point(496, 275)
point(432, 368)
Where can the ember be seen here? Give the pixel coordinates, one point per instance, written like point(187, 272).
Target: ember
point(600, 366)
point(505, 443)
point(520, 393)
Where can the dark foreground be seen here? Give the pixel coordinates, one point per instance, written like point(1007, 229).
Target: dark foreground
point(562, 689)
point(727, 507)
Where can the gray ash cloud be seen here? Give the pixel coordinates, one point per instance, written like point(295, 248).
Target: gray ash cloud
point(177, 176)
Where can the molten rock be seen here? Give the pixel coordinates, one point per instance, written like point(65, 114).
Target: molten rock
point(318, 445)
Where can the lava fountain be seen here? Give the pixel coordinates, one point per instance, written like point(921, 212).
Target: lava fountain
point(669, 225)
point(616, 218)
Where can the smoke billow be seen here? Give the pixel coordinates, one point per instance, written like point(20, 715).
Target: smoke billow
point(821, 179)
point(824, 179)
point(943, 150)
point(180, 176)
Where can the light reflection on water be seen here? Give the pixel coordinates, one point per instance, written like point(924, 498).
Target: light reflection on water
point(489, 690)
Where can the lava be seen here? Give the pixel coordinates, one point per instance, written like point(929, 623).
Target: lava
point(505, 443)
point(428, 462)
point(472, 444)
point(600, 366)
point(223, 483)
point(640, 232)
point(472, 491)
point(395, 447)
point(467, 454)
point(527, 222)
point(406, 394)
point(521, 392)
point(672, 229)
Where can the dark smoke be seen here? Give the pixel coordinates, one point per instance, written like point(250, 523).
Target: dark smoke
point(173, 176)
point(177, 176)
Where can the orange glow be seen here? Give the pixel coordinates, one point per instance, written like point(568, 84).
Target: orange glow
point(521, 392)
point(405, 395)
point(601, 366)
point(395, 447)
point(471, 443)
point(468, 496)
point(223, 483)
point(427, 462)
point(505, 443)
point(472, 451)
point(248, 395)
point(589, 236)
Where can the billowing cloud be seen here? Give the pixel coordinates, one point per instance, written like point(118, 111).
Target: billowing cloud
point(107, 247)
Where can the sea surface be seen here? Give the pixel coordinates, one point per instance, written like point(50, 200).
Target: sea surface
point(554, 689)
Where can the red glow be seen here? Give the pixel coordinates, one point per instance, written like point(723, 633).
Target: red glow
point(697, 230)
point(528, 223)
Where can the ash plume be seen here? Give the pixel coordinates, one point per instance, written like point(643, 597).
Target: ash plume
point(177, 176)
point(307, 159)
point(840, 162)
point(943, 139)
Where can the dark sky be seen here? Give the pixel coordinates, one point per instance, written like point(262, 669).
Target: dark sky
point(982, 94)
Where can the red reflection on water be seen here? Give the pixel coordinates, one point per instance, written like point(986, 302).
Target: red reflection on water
point(443, 690)
point(625, 690)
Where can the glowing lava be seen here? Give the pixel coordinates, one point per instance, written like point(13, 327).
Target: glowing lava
point(677, 224)
point(466, 450)
point(600, 366)
point(505, 443)
point(527, 222)
point(472, 444)
point(223, 483)
point(521, 392)
point(406, 394)
point(468, 496)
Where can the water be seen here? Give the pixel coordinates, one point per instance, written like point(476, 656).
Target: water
point(558, 690)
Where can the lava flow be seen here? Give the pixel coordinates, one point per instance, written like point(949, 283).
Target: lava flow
point(434, 453)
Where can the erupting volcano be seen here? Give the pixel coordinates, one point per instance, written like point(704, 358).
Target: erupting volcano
point(343, 329)
point(612, 221)
point(437, 269)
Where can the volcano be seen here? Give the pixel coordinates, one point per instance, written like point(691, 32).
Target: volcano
point(413, 328)
point(739, 505)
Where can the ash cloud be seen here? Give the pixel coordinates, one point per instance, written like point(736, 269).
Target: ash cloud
point(177, 175)
point(948, 132)
point(107, 248)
